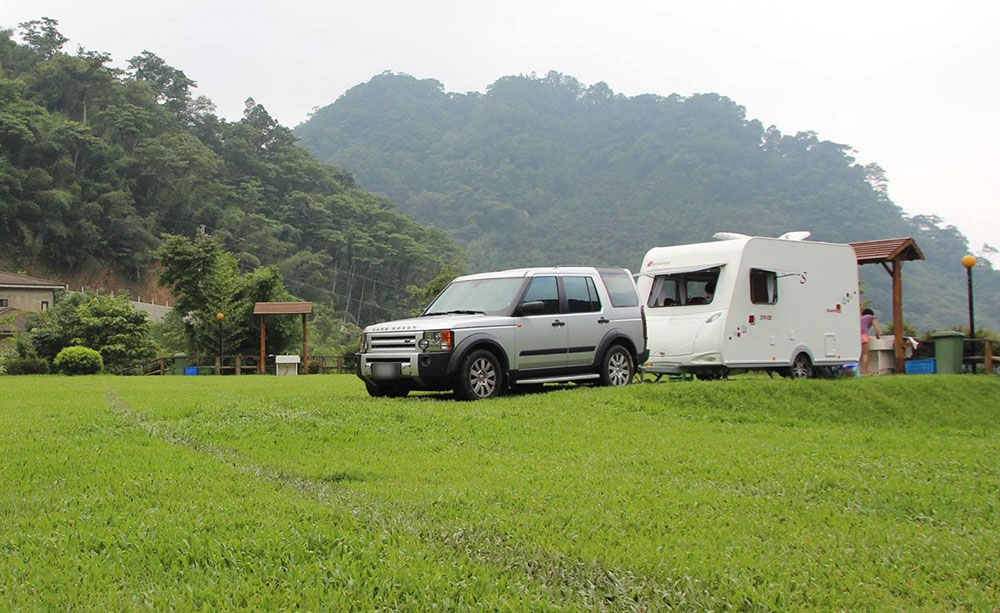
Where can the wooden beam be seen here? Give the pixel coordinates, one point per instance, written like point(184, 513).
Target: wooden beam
point(260, 364)
point(988, 356)
point(886, 267)
point(305, 346)
point(897, 314)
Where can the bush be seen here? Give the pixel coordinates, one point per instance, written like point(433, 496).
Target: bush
point(79, 361)
point(26, 366)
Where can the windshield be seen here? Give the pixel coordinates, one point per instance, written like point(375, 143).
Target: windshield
point(490, 296)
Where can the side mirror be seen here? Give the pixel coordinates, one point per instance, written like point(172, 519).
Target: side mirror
point(530, 308)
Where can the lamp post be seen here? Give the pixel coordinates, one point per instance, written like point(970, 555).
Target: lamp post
point(969, 261)
point(220, 316)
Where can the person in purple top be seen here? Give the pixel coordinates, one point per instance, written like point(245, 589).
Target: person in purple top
point(867, 322)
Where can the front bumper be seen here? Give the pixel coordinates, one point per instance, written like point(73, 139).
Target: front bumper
point(426, 371)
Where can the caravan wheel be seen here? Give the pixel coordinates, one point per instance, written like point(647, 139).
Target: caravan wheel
point(802, 367)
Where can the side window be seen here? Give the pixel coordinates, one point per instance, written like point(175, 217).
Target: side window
point(544, 289)
point(664, 292)
point(3, 302)
point(581, 295)
point(696, 287)
point(700, 286)
point(763, 286)
point(45, 305)
point(595, 298)
point(621, 288)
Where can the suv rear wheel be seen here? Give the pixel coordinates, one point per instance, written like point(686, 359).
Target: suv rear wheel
point(479, 377)
point(617, 367)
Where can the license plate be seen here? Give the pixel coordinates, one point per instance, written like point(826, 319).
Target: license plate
point(386, 370)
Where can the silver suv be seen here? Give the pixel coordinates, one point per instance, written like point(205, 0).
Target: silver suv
point(489, 332)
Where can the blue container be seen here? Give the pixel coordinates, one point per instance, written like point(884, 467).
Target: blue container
point(921, 367)
point(850, 370)
point(190, 370)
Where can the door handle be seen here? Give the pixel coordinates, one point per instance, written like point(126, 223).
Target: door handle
point(558, 323)
point(603, 320)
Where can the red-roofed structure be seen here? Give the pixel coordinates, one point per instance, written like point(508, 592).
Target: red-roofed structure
point(891, 253)
point(887, 250)
point(283, 308)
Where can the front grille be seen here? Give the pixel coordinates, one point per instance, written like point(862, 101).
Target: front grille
point(392, 342)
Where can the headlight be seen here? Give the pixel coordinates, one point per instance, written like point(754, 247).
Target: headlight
point(364, 343)
point(436, 340)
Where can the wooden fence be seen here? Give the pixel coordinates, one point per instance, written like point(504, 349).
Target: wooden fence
point(238, 365)
point(980, 351)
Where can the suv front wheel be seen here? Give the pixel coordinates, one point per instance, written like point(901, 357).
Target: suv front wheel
point(479, 377)
point(617, 367)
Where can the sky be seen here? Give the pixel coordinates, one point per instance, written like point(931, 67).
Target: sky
point(910, 85)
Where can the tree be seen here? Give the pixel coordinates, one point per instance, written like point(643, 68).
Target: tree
point(42, 36)
point(105, 323)
point(205, 281)
point(170, 86)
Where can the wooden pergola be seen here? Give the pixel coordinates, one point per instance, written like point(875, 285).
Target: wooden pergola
point(891, 253)
point(283, 308)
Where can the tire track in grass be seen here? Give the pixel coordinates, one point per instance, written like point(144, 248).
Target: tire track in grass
point(589, 584)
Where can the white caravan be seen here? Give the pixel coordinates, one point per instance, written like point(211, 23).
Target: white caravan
point(783, 305)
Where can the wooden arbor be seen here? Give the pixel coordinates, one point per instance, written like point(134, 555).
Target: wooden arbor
point(283, 308)
point(890, 253)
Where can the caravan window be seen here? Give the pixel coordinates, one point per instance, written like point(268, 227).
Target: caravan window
point(697, 287)
point(763, 286)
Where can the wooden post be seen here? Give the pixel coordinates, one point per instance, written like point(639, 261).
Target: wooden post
point(305, 346)
point(218, 366)
point(897, 314)
point(988, 356)
point(162, 366)
point(239, 365)
point(260, 364)
point(340, 364)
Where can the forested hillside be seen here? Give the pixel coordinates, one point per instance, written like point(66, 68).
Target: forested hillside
point(97, 163)
point(547, 170)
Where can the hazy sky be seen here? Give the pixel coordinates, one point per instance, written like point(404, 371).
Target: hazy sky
point(911, 85)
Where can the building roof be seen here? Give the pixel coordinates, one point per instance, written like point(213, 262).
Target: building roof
point(282, 308)
point(11, 279)
point(887, 250)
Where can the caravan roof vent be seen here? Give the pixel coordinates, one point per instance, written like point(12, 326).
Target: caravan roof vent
point(728, 236)
point(795, 236)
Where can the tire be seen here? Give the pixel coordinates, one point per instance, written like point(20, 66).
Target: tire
point(617, 367)
point(480, 376)
point(391, 390)
point(801, 368)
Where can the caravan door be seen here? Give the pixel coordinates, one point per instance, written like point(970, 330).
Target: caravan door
point(673, 335)
point(678, 303)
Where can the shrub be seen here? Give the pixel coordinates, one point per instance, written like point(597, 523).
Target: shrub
point(79, 361)
point(26, 366)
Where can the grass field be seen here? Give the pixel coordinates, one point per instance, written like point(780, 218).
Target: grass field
point(251, 492)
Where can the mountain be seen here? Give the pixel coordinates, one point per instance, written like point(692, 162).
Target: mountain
point(544, 170)
point(96, 164)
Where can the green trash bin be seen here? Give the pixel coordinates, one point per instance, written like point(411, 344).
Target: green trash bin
point(948, 346)
point(180, 363)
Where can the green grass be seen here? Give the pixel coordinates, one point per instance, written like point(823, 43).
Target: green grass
point(252, 492)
